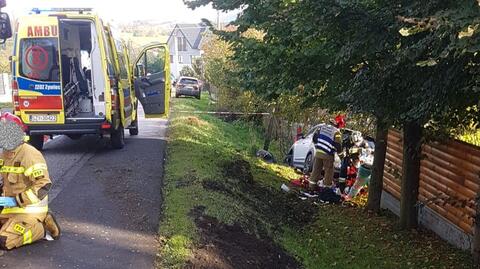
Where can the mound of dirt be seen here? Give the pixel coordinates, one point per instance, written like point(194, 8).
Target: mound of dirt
point(273, 206)
point(195, 121)
point(239, 170)
point(229, 247)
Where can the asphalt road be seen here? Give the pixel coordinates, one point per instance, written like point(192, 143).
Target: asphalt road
point(106, 201)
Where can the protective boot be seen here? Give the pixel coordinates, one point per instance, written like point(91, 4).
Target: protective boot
point(52, 226)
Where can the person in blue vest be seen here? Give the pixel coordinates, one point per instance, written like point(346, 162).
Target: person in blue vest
point(327, 140)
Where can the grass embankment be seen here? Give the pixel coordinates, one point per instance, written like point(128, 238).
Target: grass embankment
point(5, 105)
point(199, 172)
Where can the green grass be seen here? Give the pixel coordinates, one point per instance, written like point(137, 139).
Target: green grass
point(337, 237)
point(472, 137)
point(5, 105)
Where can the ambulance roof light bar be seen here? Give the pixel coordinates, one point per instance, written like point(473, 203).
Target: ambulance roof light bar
point(79, 10)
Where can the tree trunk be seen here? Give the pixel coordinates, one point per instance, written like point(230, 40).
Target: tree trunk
point(476, 233)
point(412, 140)
point(376, 182)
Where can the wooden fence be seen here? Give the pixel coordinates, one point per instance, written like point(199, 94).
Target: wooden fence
point(449, 178)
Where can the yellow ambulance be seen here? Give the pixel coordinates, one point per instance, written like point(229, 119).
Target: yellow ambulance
point(72, 77)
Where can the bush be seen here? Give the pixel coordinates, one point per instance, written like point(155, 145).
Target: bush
point(187, 71)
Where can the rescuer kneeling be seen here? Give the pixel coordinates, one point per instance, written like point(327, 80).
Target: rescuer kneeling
point(24, 216)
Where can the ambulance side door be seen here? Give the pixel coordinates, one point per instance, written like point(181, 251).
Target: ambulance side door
point(133, 98)
point(125, 93)
point(122, 76)
point(152, 80)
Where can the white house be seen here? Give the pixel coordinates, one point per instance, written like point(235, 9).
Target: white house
point(185, 45)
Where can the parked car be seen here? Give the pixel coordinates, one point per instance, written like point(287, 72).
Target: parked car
point(302, 152)
point(188, 86)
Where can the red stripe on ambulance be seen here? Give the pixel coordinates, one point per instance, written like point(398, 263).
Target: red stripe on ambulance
point(41, 102)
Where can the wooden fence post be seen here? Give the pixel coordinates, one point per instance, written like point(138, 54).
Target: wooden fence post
point(476, 232)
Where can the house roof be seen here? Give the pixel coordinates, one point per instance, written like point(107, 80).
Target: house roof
point(192, 32)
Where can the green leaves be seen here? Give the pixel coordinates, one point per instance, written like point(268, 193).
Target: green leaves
point(399, 60)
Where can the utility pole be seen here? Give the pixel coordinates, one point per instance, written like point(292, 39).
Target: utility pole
point(175, 52)
point(218, 20)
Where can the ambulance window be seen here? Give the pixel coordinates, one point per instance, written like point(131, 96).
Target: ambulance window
point(139, 70)
point(123, 69)
point(111, 70)
point(121, 60)
point(155, 60)
point(39, 59)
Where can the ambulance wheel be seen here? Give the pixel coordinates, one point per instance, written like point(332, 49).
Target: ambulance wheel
point(117, 138)
point(37, 141)
point(133, 130)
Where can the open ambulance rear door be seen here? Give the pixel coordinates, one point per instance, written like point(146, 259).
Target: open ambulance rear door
point(36, 72)
point(151, 75)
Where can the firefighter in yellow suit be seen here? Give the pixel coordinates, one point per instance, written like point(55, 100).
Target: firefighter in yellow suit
point(24, 216)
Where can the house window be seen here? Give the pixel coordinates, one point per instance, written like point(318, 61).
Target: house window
point(193, 58)
point(171, 59)
point(182, 43)
point(180, 59)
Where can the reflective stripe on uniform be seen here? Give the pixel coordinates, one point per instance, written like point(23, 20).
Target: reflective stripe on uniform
point(32, 197)
point(324, 144)
point(35, 170)
point(326, 140)
point(26, 210)
point(27, 237)
point(327, 149)
point(40, 207)
point(1, 162)
point(12, 170)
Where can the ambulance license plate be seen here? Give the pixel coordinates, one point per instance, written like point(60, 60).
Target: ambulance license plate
point(43, 118)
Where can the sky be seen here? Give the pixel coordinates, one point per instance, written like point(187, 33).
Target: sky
point(119, 12)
